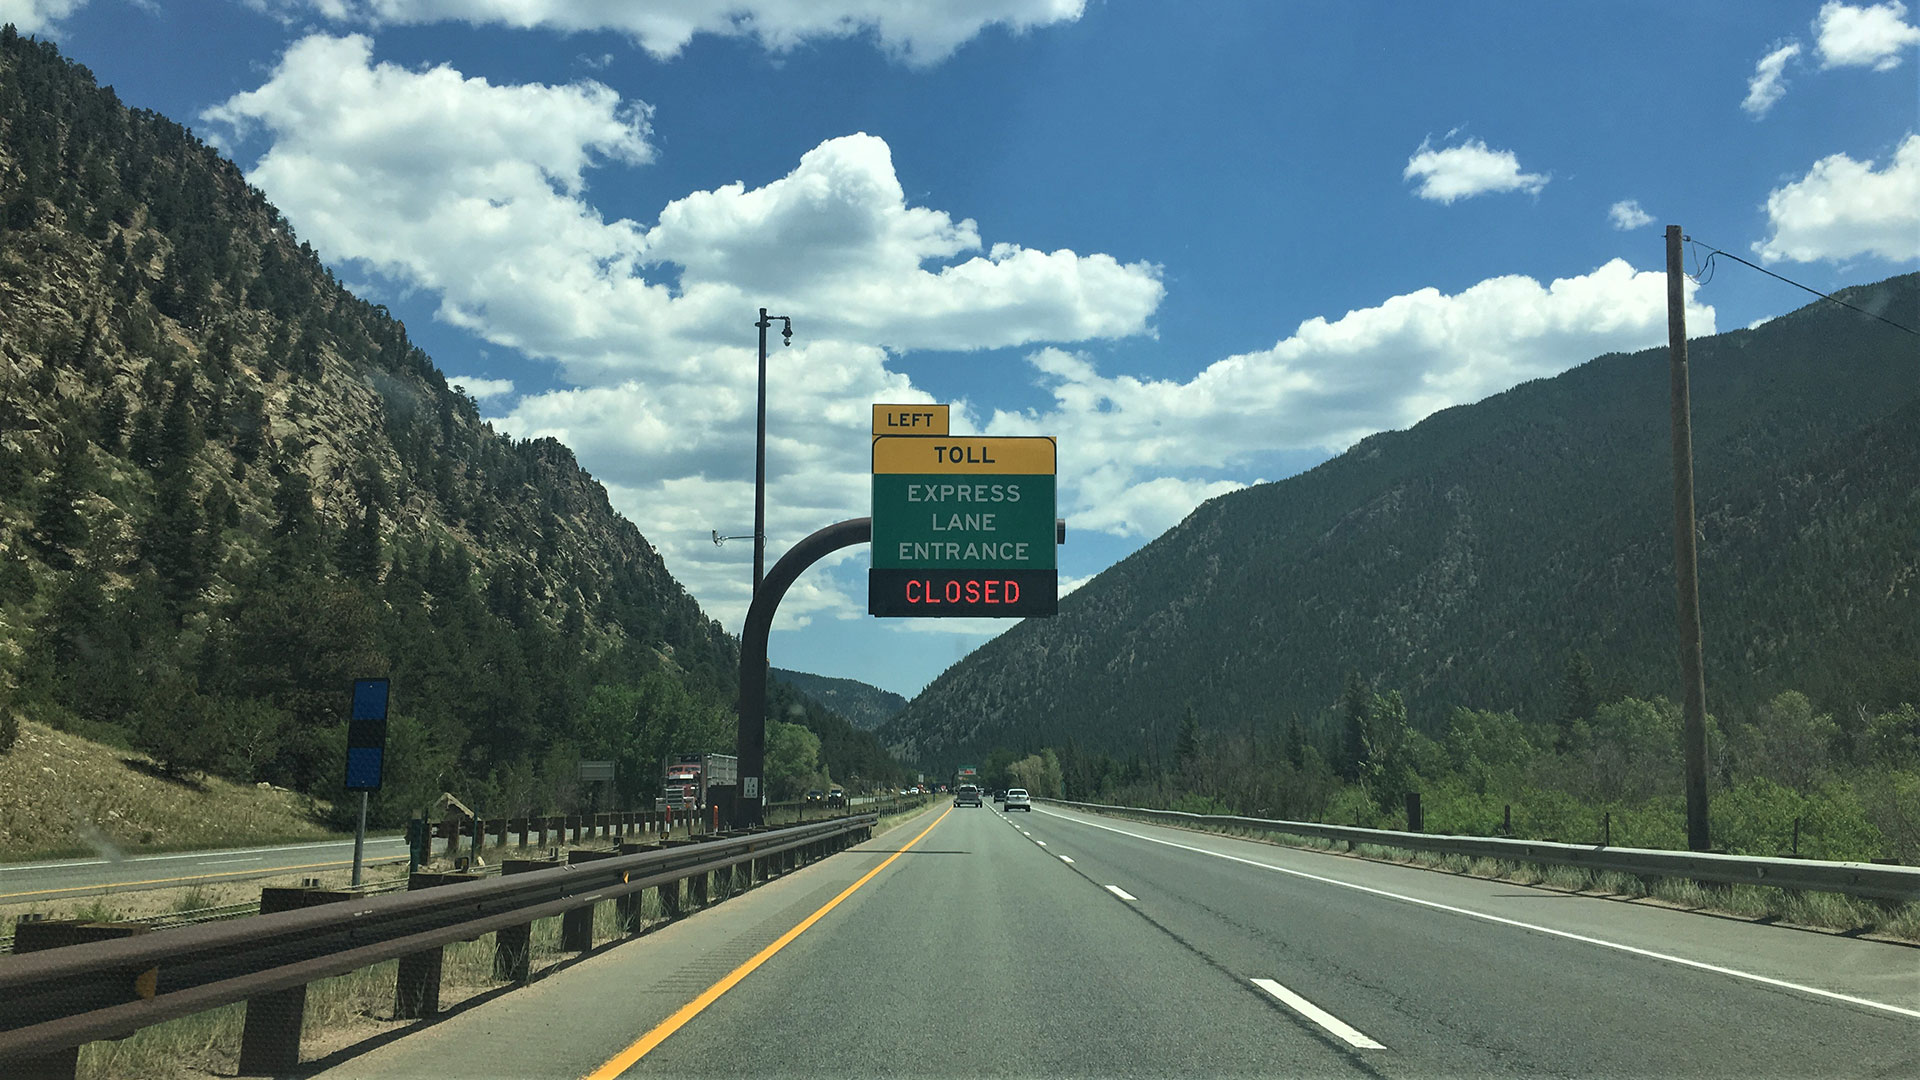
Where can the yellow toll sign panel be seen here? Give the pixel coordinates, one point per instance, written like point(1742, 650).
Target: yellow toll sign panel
point(910, 419)
point(1008, 455)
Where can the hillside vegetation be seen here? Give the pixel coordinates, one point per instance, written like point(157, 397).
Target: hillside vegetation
point(229, 487)
point(865, 706)
point(1482, 605)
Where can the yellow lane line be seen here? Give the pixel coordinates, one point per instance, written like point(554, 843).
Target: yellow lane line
point(258, 871)
point(627, 1058)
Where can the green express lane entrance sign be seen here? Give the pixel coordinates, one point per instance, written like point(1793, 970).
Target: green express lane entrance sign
point(963, 526)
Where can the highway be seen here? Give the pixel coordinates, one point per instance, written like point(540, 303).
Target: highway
point(80, 877)
point(973, 943)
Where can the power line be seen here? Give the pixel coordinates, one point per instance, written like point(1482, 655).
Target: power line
point(1714, 252)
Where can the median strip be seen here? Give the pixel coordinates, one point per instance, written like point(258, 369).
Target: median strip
point(1332, 1024)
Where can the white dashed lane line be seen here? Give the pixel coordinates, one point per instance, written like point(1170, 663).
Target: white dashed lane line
point(1121, 893)
point(1065, 859)
point(1333, 1025)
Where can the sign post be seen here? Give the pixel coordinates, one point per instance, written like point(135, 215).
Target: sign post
point(366, 753)
point(963, 526)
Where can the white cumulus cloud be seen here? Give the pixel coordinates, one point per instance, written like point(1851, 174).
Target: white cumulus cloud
point(481, 193)
point(37, 16)
point(1469, 169)
point(481, 389)
point(1769, 81)
point(1847, 35)
point(1842, 208)
point(1144, 452)
point(916, 31)
point(1626, 214)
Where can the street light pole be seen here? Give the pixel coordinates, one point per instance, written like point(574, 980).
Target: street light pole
point(760, 449)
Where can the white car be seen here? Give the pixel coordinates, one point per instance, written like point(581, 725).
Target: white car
point(1018, 799)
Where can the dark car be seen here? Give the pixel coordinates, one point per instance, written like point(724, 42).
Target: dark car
point(967, 795)
point(1000, 795)
point(816, 795)
point(837, 797)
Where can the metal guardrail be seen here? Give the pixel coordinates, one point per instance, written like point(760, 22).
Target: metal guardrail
point(1870, 880)
point(56, 999)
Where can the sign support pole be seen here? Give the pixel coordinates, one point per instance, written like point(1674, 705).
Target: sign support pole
point(359, 839)
point(753, 656)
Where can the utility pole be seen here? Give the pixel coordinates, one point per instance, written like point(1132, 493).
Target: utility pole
point(1686, 563)
point(760, 449)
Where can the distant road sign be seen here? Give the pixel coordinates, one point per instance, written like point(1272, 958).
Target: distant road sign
point(596, 771)
point(963, 526)
point(910, 419)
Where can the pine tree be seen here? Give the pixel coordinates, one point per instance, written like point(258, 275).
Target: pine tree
point(1186, 745)
point(175, 543)
point(1578, 698)
point(59, 528)
point(1356, 707)
point(180, 437)
point(359, 552)
point(295, 528)
point(110, 419)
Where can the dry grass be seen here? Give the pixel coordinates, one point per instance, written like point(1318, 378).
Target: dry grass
point(62, 795)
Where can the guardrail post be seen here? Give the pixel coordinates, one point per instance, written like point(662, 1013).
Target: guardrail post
point(573, 825)
point(513, 945)
point(1416, 821)
point(670, 901)
point(576, 926)
point(451, 829)
point(627, 909)
point(416, 992)
point(270, 1035)
point(37, 934)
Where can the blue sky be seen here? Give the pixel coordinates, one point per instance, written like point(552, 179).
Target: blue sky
point(1205, 244)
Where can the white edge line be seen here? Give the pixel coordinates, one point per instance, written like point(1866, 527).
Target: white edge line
point(1121, 893)
point(1699, 965)
point(1342, 1030)
point(137, 859)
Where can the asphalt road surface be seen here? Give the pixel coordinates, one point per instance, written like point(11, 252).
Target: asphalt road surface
point(1060, 944)
point(80, 877)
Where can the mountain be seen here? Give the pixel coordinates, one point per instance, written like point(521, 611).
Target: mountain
point(865, 706)
point(228, 487)
point(1464, 560)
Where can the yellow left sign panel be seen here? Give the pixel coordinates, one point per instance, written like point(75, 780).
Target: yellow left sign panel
point(910, 419)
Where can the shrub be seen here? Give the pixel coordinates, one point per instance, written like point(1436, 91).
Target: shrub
point(1195, 803)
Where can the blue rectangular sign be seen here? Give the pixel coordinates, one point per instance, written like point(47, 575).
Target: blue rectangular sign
point(365, 764)
point(367, 735)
